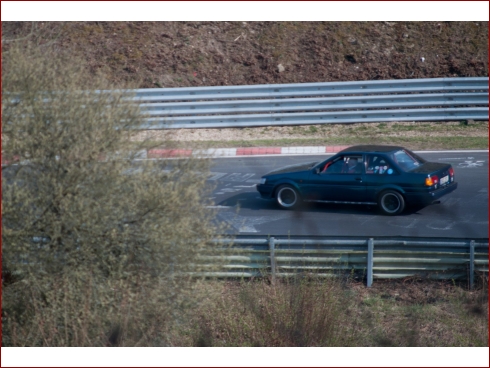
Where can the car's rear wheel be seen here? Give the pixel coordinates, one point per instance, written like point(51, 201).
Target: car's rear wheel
point(391, 202)
point(287, 197)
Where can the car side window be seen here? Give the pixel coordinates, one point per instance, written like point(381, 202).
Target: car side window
point(378, 165)
point(334, 167)
point(345, 165)
point(407, 161)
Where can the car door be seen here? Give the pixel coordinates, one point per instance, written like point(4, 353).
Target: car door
point(340, 180)
point(380, 170)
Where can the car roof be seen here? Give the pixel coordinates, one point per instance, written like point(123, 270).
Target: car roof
point(372, 148)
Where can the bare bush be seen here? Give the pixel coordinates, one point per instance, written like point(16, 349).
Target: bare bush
point(297, 311)
point(291, 312)
point(93, 242)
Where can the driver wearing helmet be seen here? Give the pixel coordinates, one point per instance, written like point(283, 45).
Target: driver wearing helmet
point(352, 166)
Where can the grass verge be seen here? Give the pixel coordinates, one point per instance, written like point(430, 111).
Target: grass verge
point(334, 312)
point(413, 135)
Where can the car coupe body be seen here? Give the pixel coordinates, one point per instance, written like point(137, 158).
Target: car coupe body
point(387, 176)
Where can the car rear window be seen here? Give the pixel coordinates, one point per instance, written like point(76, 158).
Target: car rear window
point(407, 160)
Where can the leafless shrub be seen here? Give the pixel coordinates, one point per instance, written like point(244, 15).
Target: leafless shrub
point(290, 312)
point(98, 247)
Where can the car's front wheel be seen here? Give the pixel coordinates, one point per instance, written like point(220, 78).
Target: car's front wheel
point(391, 202)
point(287, 197)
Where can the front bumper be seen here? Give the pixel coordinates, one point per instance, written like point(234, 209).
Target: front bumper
point(265, 190)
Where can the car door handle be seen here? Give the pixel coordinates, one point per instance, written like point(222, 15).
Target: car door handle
point(358, 179)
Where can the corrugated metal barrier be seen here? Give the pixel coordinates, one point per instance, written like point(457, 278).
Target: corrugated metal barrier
point(374, 258)
point(435, 99)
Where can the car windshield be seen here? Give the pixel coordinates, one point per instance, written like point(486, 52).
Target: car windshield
point(407, 160)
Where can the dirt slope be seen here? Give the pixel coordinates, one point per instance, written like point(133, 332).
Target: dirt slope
point(173, 54)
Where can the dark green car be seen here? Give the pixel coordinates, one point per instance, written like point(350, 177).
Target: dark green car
point(387, 176)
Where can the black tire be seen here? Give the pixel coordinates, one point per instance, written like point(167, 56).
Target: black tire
point(391, 203)
point(287, 197)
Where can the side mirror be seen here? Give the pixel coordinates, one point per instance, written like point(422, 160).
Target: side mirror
point(317, 170)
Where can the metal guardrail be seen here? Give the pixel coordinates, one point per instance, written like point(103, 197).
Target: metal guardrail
point(374, 258)
point(436, 99)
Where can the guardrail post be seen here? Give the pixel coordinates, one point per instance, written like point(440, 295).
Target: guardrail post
point(472, 263)
point(370, 262)
point(273, 259)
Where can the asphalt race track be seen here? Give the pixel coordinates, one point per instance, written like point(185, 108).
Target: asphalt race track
point(461, 214)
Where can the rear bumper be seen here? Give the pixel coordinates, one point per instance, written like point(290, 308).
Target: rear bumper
point(430, 197)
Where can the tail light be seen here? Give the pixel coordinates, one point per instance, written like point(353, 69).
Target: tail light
point(431, 180)
point(451, 174)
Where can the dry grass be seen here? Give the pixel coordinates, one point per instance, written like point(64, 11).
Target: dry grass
point(300, 311)
point(414, 135)
point(326, 131)
point(303, 312)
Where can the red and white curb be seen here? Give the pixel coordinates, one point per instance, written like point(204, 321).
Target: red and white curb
point(157, 153)
point(244, 151)
point(162, 153)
